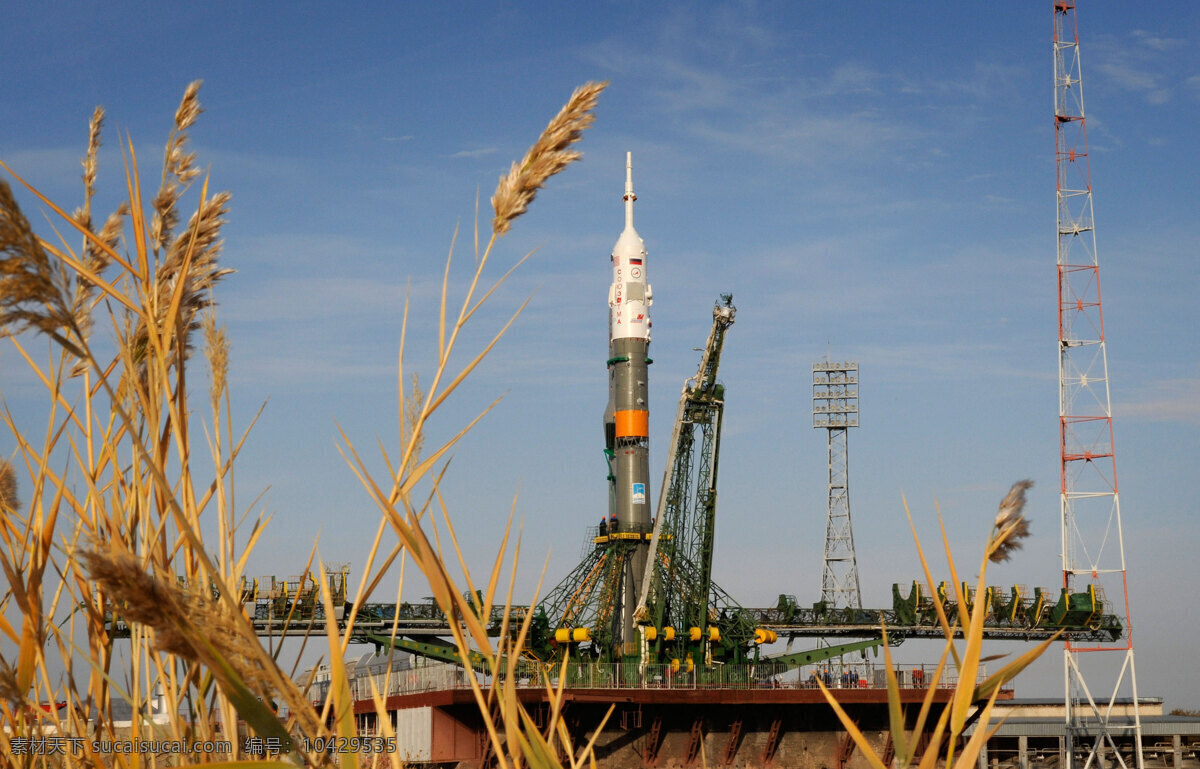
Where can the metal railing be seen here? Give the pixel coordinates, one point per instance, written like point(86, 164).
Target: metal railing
point(584, 675)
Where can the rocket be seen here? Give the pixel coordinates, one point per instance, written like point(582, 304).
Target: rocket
point(627, 417)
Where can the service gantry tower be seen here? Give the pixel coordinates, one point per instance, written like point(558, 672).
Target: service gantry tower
point(835, 409)
point(1093, 550)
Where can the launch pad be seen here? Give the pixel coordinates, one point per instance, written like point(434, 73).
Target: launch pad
point(783, 726)
point(641, 625)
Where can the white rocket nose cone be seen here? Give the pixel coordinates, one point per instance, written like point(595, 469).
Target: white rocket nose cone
point(629, 245)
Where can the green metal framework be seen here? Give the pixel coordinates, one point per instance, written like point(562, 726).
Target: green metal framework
point(678, 590)
point(681, 590)
point(687, 621)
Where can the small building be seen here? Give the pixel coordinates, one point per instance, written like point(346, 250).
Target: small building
point(1033, 736)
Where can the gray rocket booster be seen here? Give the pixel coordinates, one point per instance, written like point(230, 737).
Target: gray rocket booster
point(627, 418)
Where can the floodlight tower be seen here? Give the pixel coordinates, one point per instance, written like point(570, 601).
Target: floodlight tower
point(835, 409)
point(1093, 550)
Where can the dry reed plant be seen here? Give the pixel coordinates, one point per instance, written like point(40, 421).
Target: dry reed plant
point(515, 740)
point(111, 528)
point(944, 747)
point(115, 501)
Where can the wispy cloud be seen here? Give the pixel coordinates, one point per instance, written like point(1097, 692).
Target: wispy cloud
point(481, 152)
point(55, 170)
point(1137, 64)
point(1156, 42)
point(294, 250)
point(1174, 400)
point(1133, 77)
point(726, 90)
point(318, 298)
point(309, 368)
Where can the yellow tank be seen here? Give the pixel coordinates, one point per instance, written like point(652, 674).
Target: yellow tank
point(572, 635)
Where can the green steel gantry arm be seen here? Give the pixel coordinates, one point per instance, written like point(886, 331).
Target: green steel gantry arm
point(796, 659)
point(432, 649)
point(687, 514)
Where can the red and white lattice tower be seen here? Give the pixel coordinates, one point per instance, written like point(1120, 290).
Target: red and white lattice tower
point(1093, 550)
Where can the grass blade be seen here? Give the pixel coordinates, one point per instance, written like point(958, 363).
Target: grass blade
point(852, 729)
point(895, 711)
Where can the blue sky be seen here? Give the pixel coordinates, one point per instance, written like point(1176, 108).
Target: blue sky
point(874, 181)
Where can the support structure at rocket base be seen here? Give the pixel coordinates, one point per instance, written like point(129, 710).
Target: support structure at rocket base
point(640, 627)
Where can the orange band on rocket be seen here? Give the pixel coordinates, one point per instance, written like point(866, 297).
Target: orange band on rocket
point(633, 424)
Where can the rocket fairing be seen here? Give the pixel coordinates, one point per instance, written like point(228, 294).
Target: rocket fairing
point(629, 296)
point(627, 418)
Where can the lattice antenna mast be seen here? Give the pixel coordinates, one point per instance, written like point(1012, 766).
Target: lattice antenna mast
point(835, 409)
point(1093, 547)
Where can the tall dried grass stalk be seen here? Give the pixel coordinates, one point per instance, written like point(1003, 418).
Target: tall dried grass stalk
point(186, 277)
point(514, 738)
point(137, 495)
point(124, 433)
point(97, 247)
point(944, 739)
point(96, 257)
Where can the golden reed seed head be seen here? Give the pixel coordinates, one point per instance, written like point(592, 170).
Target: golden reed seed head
point(204, 228)
point(178, 165)
point(1009, 527)
point(548, 155)
point(110, 236)
point(83, 215)
point(30, 295)
point(10, 689)
point(8, 488)
point(89, 160)
point(97, 260)
point(1012, 504)
point(189, 106)
point(202, 236)
point(179, 617)
point(204, 272)
point(139, 596)
point(216, 348)
point(166, 217)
